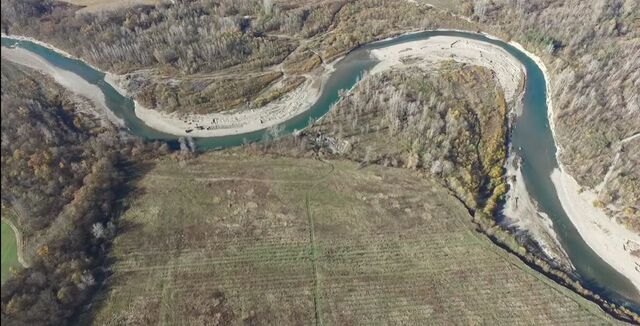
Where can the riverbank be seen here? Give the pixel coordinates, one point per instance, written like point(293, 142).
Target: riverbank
point(208, 125)
point(522, 214)
point(236, 122)
point(520, 209)
point(507, 82)
point(50, 47)
point(295, 102)
point(605, 236)
point(602, 234)
point(434, 50)
point(610, 240)
point(66, 79)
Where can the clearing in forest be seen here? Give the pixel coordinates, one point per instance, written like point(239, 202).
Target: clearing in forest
point(9, 251)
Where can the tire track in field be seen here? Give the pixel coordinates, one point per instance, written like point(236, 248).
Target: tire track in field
point(317, 303)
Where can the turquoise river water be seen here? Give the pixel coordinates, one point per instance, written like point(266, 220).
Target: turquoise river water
point(531, 138)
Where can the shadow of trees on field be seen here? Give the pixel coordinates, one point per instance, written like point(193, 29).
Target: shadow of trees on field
point(130, 190)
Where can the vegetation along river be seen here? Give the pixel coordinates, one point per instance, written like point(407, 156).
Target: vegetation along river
point(531, 138)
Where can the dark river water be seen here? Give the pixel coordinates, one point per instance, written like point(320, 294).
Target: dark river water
point(531, 138)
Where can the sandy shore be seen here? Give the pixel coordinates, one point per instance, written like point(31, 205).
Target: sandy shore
point(233, 122)
point(50, 47)
point(508, 70)
point(67, 79)
point(521, 211)
point(603, 235)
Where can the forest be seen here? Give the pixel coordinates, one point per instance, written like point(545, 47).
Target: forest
point(63, 174)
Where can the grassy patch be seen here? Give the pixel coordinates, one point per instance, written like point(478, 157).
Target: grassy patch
point(9, 251)
point(232, 238)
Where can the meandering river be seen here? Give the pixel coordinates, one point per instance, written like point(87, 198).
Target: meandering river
point(531, 138)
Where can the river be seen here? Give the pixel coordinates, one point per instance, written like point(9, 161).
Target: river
point(532, 140)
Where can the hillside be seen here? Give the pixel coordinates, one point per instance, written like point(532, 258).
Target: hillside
point(48, 148)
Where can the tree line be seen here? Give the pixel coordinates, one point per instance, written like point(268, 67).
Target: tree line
point(64, 174)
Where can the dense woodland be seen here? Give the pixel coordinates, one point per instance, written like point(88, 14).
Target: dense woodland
point(42, 168)
point(186, 37)
point(63, 172)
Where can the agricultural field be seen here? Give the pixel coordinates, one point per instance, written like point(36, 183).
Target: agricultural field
point(229, 238)
point(9, 251)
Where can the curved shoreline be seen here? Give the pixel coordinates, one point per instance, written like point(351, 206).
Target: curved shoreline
point(50, 47)
point(303, 98)
point(247, 121)
point(508, 70)
point(605, 255)
point(604, 236)
point(66, 79)
point(281, 110)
